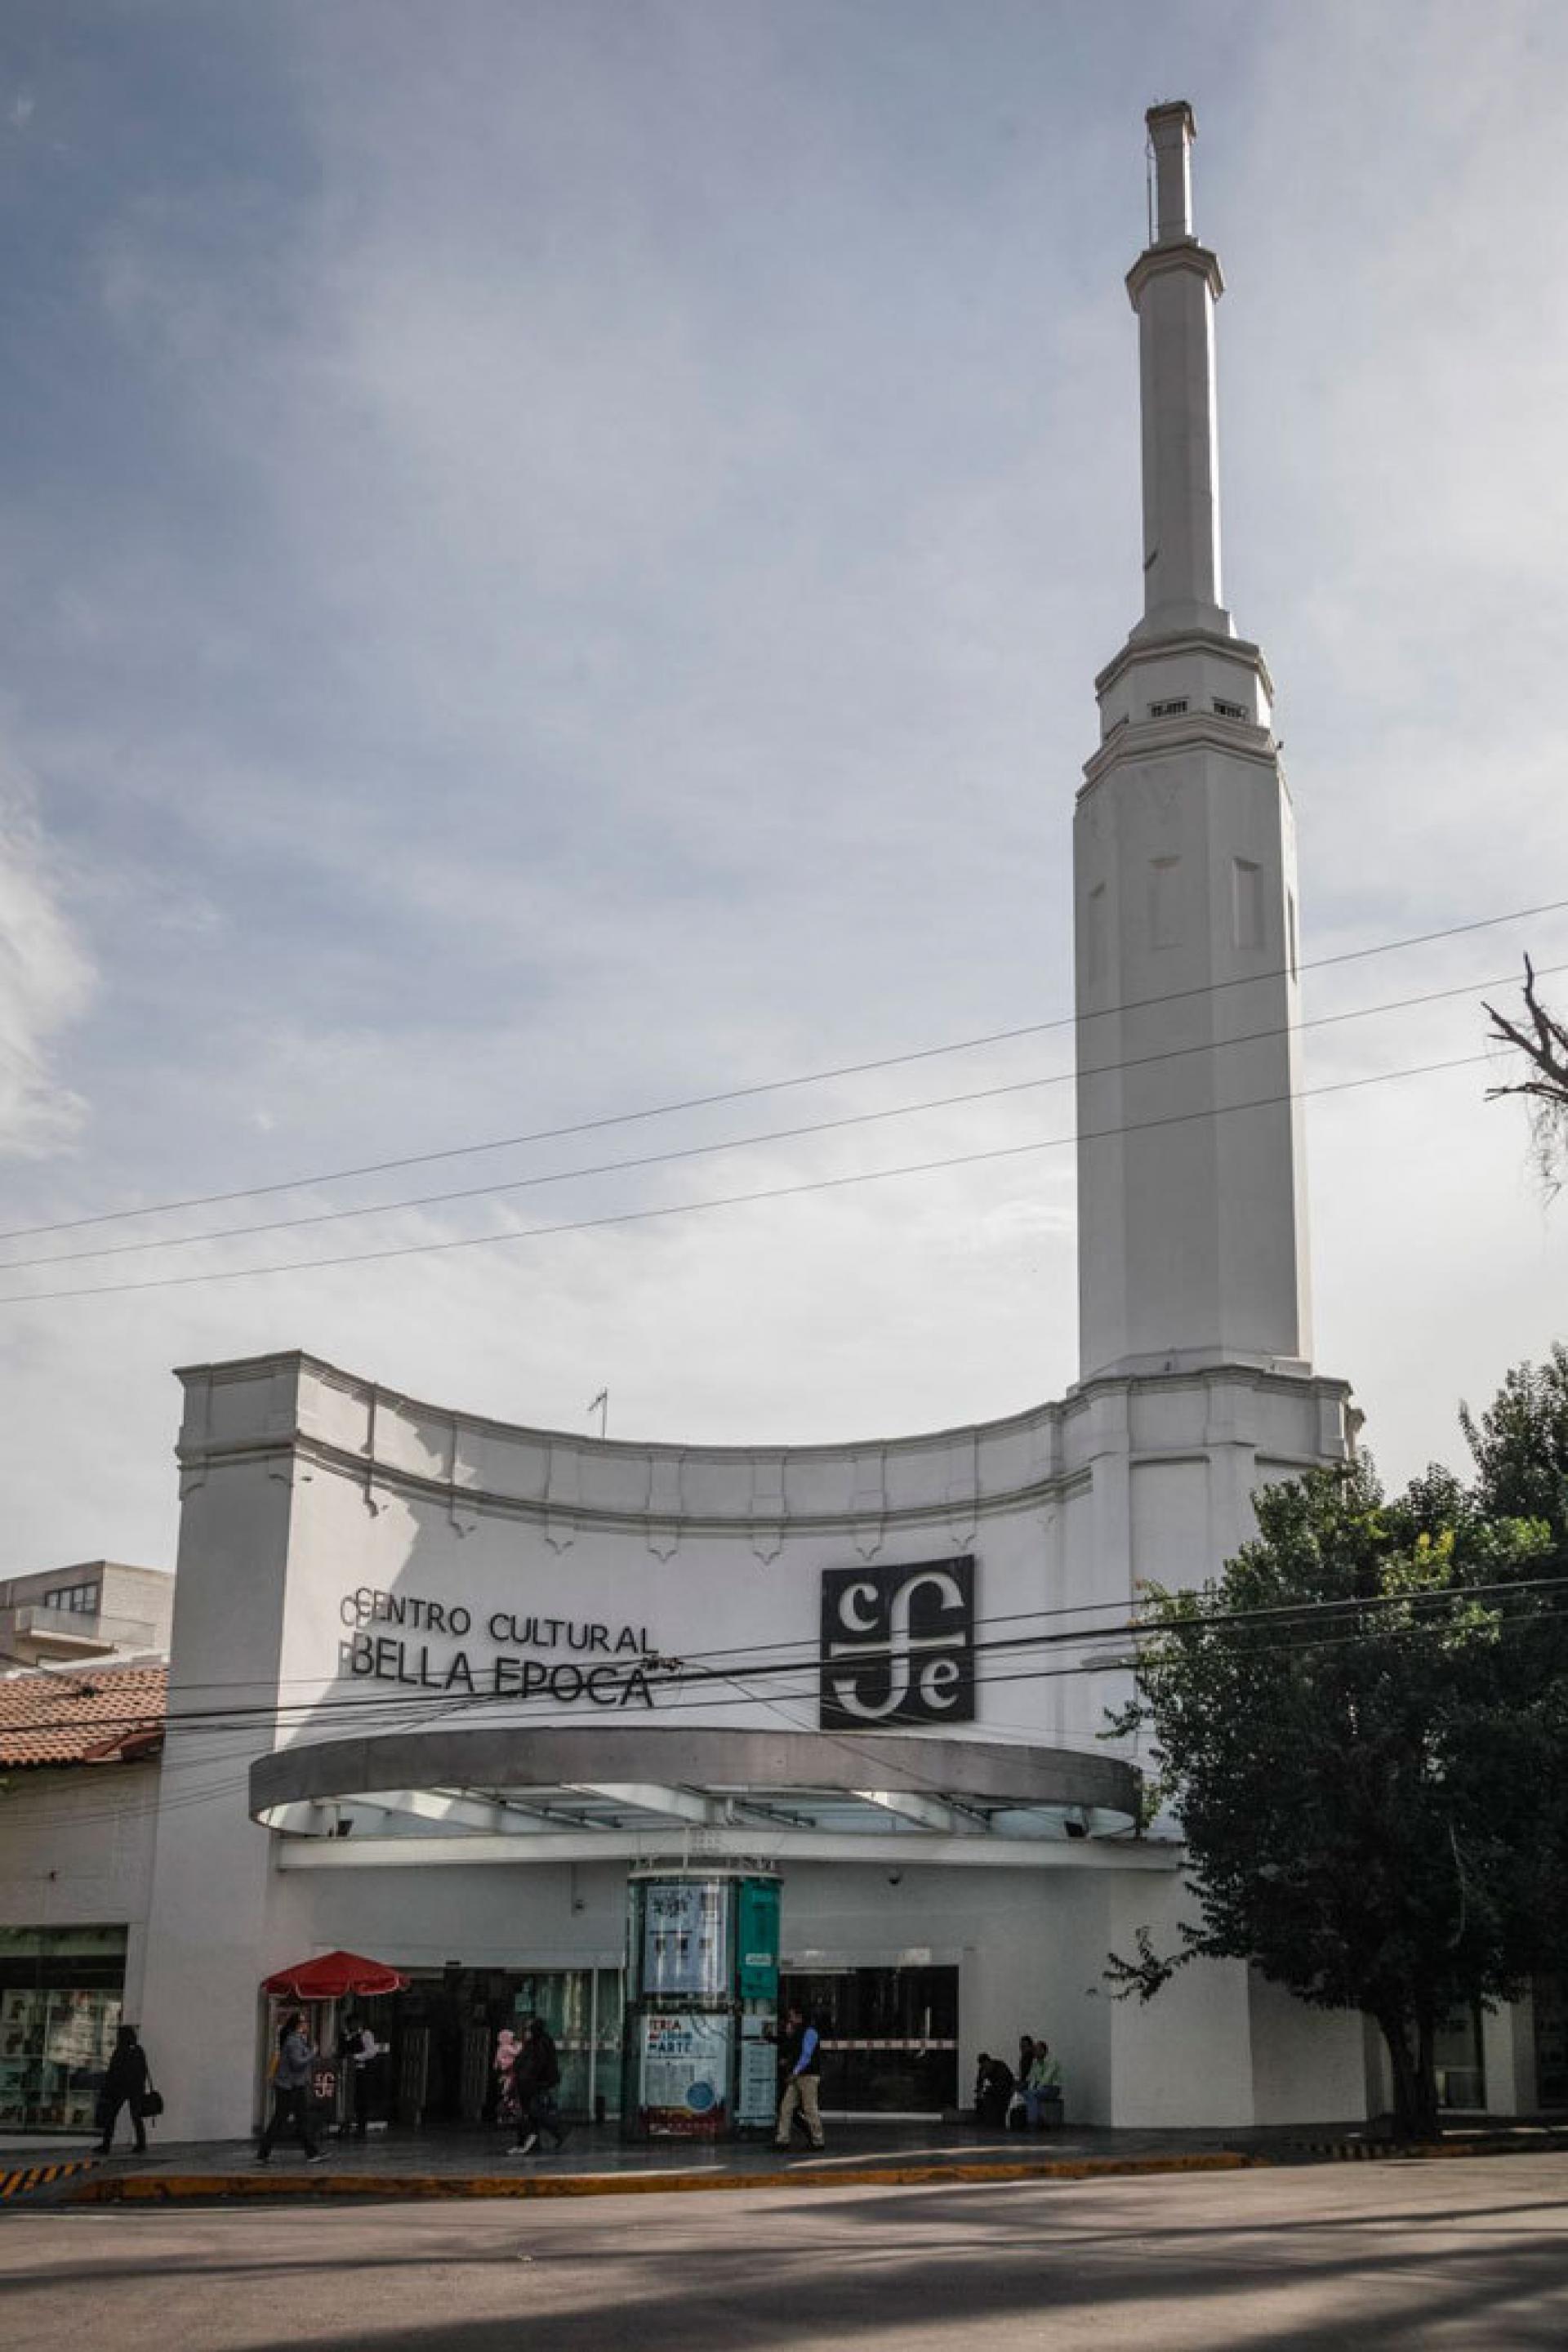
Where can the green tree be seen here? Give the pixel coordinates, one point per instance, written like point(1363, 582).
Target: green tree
point(1361, 1727)
point(1520, 1445)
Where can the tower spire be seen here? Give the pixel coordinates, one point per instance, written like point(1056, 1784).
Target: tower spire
point(1175, 285)
point(1192, 1232)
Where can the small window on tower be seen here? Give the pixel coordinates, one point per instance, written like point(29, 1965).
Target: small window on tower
point(1094, 933)
point(1231, 709)
point(1172, 710)
point(1245, 903)
point(1165, 913)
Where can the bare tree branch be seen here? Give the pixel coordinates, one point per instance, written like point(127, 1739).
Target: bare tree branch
point(1542, 1040)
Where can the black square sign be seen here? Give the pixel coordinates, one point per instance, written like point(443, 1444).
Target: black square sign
point(898, 1645)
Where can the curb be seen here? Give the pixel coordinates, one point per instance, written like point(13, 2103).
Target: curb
point(176, 2189)
point(22, 2179)
point(1427, 2152)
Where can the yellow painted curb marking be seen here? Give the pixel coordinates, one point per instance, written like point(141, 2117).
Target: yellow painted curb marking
point(172, 2188)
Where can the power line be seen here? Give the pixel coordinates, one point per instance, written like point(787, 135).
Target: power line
point(682, 1672)
point(738, 1200)
point(779, 1086)
point(747, 1142)
point(1288, 1644)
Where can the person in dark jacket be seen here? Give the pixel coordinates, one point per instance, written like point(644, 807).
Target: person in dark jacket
point(291, 2090)
point(124, 2085)
point(992, 2090)
point(536, 2076)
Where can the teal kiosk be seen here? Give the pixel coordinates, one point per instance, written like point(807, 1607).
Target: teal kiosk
point(702, 1994)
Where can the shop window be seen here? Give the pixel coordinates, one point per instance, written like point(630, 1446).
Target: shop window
point(60, 1996)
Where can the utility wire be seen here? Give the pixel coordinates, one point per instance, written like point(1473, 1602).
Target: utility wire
point(778, 1086)
point(738, 1200)
point(747, 1142)
point(1286, 1646)
point(1277, 1618)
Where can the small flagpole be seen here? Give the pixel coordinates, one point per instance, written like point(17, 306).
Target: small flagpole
point(601, 1405)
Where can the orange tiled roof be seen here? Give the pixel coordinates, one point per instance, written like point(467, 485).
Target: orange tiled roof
point(96, 1714)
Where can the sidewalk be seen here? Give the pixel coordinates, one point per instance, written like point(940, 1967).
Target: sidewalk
point(595, 2163)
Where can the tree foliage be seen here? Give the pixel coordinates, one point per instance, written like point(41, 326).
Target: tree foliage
point(1361, 1729)
point(1520, 1445)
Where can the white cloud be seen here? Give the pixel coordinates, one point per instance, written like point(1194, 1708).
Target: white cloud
point(45, 981)
point(598, 540)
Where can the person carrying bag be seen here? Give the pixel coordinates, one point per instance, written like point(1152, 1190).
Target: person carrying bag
point(128, 2082)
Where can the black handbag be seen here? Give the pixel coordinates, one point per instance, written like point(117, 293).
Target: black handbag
point(150, 2103)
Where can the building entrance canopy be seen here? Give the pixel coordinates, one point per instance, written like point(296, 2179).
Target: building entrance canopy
point(599, 1793)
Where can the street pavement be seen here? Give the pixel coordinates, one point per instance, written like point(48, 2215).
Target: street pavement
point(1467, 2252)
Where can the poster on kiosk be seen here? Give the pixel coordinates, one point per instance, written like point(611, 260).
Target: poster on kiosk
point(704, 1955)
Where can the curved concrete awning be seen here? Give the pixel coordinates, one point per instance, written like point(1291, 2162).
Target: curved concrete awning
point(570, 1794)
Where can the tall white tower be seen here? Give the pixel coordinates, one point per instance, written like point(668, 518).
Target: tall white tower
point(1191, 1217)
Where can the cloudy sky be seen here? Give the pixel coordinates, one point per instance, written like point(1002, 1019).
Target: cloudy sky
point(551, 563)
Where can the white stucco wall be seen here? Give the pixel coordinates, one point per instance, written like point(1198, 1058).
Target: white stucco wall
point(76, 1851)
point(305, 1487)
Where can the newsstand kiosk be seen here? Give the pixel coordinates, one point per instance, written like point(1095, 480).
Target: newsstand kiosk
point(703, 1987)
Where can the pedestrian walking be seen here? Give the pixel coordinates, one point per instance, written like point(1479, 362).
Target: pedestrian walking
point(291, 2090)
point(125, 2085)
point(800, 2069)
point(536, 2077)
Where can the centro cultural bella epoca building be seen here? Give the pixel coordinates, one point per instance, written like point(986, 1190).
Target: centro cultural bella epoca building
point(440, 1686)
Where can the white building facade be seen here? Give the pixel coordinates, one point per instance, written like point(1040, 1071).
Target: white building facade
point(476, 1673)
point(440, 1683)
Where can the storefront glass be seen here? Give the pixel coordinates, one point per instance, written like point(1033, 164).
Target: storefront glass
point(609, 2013)
point(60, 1998)
point(442, 2035)
point(889, 2036)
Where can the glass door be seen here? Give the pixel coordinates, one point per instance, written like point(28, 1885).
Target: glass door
point(889, 2036)
point(563, 1999)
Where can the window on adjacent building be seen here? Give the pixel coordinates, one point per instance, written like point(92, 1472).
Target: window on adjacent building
point(82, 1598)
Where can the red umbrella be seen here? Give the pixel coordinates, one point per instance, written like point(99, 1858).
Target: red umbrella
point(332, 1976)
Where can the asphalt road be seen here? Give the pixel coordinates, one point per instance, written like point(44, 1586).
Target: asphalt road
point(1470, 2253)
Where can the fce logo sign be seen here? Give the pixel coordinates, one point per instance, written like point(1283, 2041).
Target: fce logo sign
point(898, 1644)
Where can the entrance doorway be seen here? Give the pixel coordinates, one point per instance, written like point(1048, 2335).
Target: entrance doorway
point(443, 2032)
point(889, 2036)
